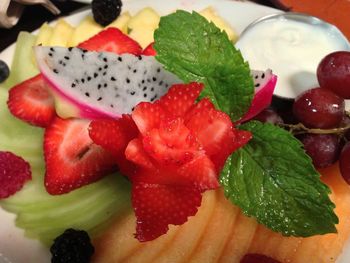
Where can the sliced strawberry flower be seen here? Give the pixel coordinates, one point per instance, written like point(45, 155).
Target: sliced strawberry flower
point(112, 40)
point(113, 135)
point(136, 153)
point(180, 98)
point(32, 102)
point(148, 116)
point(71, 158)
point(172, 144)
point(177, 153)
point(156, 206)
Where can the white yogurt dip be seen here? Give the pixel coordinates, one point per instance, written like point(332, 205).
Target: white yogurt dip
point(292, 48)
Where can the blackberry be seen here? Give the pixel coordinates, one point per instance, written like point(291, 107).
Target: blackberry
point(106, 11)
point(4, 71)
point(73, 246)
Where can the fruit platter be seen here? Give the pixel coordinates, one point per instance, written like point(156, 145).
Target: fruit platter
point(152, 132)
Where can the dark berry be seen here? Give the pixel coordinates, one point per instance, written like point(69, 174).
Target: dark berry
point(270, 116)
point(73, 246)
point(319, 108)
point(106, 11)
point(258, 258)
point(322, 148)
point(4, 71)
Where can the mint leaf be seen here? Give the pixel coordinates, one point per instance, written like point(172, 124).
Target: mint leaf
point(196, 50)
point(272, 179)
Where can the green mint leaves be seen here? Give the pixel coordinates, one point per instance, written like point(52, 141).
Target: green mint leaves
point(196, 50)
point(273, 179)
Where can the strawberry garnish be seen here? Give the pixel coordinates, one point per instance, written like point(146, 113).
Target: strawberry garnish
point(14, 172)
point(177, 154)
point(113, 135)
point(214, 137)
point(156, 206)
point(112, 40)
point(149, 50)
point(32, 102)
point(72, 159)
point(180, 98)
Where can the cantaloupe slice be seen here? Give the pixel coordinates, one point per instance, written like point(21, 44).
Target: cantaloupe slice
point(61, 34)
point(221, 233)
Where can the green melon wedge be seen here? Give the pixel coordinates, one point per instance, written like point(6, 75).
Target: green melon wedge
point(43, 216)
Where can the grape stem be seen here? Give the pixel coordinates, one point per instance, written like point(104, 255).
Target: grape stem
point(301, 129)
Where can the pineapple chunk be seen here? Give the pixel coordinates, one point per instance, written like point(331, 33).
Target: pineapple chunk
point(145, 18)
point(143, 36)
point(210, 14)
point(142, 26)
point(62, 32)
point(86, 29)
point(121, 22)
point(45, 32)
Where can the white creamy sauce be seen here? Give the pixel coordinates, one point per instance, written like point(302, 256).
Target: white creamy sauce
point(292, 49)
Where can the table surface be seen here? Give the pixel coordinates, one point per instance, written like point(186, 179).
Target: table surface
point(34, 16)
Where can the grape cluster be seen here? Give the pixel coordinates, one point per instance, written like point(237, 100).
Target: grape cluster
point(318, 117)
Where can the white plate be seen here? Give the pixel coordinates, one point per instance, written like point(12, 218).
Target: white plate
point(14, 247)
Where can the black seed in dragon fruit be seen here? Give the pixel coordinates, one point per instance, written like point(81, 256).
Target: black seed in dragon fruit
point(101, 84)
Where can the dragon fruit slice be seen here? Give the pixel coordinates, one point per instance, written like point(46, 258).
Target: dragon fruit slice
point(101, 84)
point(265, 83)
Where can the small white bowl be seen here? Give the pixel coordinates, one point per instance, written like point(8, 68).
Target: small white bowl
point(299, 73)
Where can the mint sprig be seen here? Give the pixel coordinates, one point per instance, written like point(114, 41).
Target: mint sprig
point(273, 179)
point(196, 50)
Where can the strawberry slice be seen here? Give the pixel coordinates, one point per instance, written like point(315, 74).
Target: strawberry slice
point(72, 159)
point(214, 130)
point(135, 153)
point(148, 116)
point(149, 50)
point(112, 40)
point(180, 98)
point(156, 206)
point(32, 102)
point(113, 135)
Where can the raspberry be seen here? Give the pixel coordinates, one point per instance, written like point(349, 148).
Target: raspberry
point(14, 172)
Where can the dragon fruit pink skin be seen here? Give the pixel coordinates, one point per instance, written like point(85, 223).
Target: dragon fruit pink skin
point(265, 83)
point(100, 84)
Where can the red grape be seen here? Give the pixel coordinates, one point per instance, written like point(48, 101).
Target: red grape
point(322, 148)
point(333, 73)
point(319, 108)
point(344, 162)
point(269, 115)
